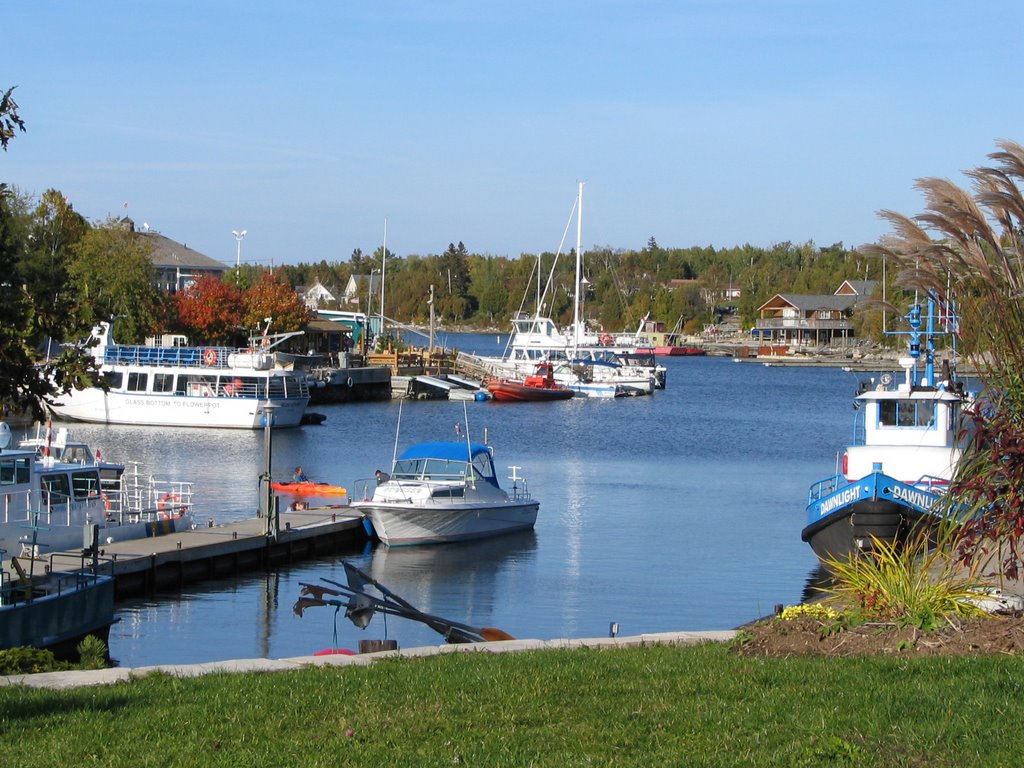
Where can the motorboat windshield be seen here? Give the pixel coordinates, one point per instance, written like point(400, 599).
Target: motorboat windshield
point(445, 462)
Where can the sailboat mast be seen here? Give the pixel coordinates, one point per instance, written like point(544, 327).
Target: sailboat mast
point(579, 268)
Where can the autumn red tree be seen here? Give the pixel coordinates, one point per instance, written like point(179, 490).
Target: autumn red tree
point(272, 296)
point(210, 310)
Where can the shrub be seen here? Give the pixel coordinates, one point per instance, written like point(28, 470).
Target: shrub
point(92, 653)
point(21, 661)
point(912, 583)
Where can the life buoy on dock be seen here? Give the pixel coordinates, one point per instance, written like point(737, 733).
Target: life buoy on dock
point(210, 357)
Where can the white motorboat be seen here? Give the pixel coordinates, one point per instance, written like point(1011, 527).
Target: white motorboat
point(910, 437)
point(443, 492)
point(179, 386)
point(56, 495)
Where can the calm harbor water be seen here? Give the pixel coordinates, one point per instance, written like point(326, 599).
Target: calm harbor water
point(680, 511)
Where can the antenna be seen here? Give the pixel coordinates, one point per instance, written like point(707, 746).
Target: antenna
point(398, 429)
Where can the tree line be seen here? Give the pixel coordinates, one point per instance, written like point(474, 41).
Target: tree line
point(620, 287)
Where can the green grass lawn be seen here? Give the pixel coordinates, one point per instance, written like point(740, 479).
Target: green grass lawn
point(656, 706)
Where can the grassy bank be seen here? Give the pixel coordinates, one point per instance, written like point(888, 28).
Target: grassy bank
point(645, 707)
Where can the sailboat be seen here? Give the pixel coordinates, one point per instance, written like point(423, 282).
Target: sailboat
point(588, 363)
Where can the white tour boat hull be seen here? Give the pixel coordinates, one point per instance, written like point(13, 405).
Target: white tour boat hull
point(99, 407)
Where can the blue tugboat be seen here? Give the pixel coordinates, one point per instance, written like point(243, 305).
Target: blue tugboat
point(909, 437)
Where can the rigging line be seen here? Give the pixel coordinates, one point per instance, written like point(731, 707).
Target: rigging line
point(561, 246)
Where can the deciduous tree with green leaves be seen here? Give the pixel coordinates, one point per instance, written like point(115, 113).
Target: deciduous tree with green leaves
point(28, 378)
point(113, 275)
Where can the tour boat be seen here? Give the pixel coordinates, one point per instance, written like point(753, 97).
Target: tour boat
point(444, 492)
point(179, 386)
point(58, 496)
point(309, 488)
point(540, 386)
point(909, 438)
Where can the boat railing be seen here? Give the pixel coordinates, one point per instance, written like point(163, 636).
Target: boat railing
point(83, 561)
point(52, 582)
point(362, 490)
point(184, 357)
point(932, 484)
point(520, 491)
point(823, 488)
point(142, 497)
point(45, 507)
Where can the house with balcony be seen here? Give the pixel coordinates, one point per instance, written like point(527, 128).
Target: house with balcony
point(800, 320)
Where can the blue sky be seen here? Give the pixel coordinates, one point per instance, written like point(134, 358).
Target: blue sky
point(697, 122)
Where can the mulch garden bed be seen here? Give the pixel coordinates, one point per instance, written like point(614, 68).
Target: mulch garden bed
point(803, 636)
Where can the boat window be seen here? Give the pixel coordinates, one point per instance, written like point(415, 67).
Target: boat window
point(55, 488)
point(906, 413)
point(198, 386)
point(14, 471)
point(76, 454)
point(429, 469)
point(163, 382)
point(482, 467)
point(137, 382)
point(114, 379)
point(406, 469)
point(85, 484)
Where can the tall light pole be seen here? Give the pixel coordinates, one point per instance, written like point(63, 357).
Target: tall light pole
point(383, 260)
point(238, 254)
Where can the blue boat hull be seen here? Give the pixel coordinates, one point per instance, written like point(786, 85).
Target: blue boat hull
point(843, 518)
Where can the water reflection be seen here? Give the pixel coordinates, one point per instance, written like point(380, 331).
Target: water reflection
point(678, 511)
point(463, 582)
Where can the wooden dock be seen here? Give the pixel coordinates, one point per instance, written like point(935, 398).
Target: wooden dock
point(145, 566)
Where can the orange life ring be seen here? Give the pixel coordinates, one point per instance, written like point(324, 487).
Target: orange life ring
point(605, 339)
point(166, 505)
point(210, 357)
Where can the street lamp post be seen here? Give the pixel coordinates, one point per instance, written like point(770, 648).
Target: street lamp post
point(269, 502)
point(238, 254)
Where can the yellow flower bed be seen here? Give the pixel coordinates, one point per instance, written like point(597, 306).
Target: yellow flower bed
point(815, 610)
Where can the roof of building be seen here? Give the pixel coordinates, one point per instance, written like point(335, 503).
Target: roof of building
point(857, 287)
point(810, 303)
point(168, 254)
point(317, 287)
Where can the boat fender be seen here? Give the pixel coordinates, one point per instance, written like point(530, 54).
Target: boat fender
point(349, 382)
point(210, 357)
